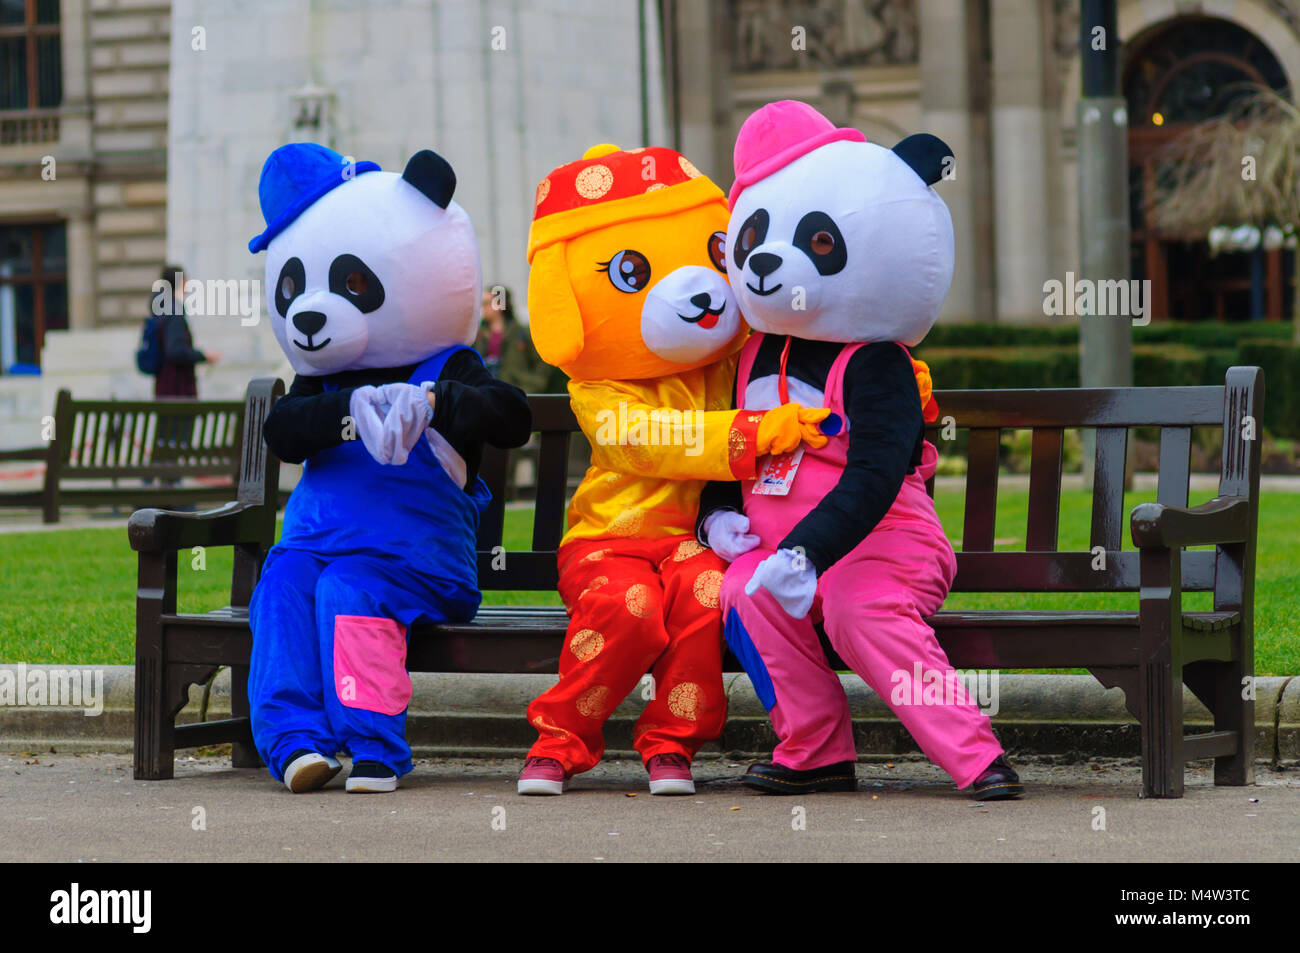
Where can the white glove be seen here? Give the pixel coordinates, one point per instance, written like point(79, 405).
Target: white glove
point(391, 419)
point(727, 533)
point(790, 578)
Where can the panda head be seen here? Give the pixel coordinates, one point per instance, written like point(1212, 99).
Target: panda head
point(848, 242)
point(382, 270)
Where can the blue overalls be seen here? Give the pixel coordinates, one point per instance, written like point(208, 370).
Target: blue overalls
point(366, 550)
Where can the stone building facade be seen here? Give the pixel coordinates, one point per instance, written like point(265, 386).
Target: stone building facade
point(998, 80)
point(156, 115)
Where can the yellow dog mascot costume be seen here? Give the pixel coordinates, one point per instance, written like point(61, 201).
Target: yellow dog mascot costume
point(628, 296)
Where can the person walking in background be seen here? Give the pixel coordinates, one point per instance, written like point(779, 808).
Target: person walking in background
point(175, 378)
point(507, 347)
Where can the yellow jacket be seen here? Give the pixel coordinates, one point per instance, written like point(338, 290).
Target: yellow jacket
point(654, 444)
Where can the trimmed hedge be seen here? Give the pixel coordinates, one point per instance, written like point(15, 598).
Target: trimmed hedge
point(1199, 334)
point(1165, 354)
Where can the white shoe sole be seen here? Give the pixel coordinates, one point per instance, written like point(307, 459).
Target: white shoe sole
point(539, 786)
point(371, 785)
point(672, 786)
point(310, 772)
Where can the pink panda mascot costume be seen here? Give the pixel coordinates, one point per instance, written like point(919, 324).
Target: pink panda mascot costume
point(841, 254)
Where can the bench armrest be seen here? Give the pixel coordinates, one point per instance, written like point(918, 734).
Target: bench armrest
point(154, 530)
point(1221, 520)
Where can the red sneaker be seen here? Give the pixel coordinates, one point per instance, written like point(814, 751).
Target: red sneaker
point(670, 774)
point(542, 776)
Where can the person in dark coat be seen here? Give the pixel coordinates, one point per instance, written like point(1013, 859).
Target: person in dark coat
point(176, 377)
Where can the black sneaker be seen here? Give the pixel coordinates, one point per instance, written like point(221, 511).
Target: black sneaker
point(999, 782)
point(371, 777)
point(307, 770)
point(772, 778)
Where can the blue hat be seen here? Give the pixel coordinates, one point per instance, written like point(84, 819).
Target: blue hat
point(293, 178)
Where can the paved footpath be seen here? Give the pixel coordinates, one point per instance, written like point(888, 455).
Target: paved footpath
point(56, 807)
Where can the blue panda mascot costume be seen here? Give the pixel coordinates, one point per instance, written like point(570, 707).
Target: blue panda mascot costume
point(373, 286)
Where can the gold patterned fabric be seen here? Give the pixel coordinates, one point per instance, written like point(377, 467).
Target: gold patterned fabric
point(654, 444)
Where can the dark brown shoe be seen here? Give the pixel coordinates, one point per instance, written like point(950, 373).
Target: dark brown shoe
point(999, 782)
point(772, 778)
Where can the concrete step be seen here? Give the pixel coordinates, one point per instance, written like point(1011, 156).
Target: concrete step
point(483, 716)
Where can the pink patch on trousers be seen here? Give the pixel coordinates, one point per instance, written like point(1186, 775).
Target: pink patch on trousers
point(370, 664)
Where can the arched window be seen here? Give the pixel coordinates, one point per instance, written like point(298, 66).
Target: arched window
point(1193, 70)
point(1176, 74)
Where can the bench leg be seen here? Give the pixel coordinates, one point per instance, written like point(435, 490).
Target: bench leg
point(1162, 730)
point(1234, 713)
point(155, 746)
point(243, 754)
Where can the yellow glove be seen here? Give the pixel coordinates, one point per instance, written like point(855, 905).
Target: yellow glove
point(783, 428)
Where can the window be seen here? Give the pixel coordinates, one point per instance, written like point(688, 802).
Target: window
point(33, 292)
point(31, 63)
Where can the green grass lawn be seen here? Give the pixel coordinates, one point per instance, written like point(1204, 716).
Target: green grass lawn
point(68, 597)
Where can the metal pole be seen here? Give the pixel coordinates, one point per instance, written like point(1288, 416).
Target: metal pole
point(1105, 342)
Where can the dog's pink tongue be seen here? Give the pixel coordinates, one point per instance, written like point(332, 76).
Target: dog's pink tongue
point(709, 321)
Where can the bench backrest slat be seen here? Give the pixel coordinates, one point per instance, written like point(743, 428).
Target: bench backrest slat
point(1042, 522)
point(492, 470)
point(1239, 476)
point(1069, 572)
point(1173, 482)
point(552, 481)
point(1108, 488)
point(1084, 407)
point(981, 489)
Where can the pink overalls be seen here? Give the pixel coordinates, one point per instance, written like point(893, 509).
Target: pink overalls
point(872, 604)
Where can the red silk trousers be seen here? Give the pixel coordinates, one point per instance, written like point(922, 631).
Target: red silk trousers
point(635, 606)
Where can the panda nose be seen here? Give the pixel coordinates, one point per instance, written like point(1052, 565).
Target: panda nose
point(764, 263)
point(309, 322)
point(702, 300)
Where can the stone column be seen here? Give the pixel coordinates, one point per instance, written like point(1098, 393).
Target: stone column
point(1020, 200)
point(81, 272)
point(946, 112)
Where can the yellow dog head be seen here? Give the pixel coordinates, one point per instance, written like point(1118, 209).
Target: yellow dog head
point(628, 277)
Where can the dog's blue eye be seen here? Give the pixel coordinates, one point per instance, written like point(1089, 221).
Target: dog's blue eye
point(629, 271)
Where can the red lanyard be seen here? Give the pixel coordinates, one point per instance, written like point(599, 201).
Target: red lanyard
point(782, 390)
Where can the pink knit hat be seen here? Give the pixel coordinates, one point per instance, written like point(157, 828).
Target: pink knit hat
point(776, 135)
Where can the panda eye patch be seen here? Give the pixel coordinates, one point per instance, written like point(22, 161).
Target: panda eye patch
point(753, 232)
point(628, 271)
point(290, 284)
point(818, 237)
point(351, 278)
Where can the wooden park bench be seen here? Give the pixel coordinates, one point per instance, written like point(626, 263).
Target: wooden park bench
point(1150, 651)
point(150, 444)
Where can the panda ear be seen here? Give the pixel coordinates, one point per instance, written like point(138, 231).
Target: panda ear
point(928, 155)
point(432, 175)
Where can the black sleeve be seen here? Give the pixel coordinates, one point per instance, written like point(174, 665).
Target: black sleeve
point(178, 345)
point(885, 433)
point(306, 420)
point(717, 495)
point(472, 407)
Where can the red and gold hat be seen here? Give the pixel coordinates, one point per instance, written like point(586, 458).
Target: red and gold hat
point(609, 185)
